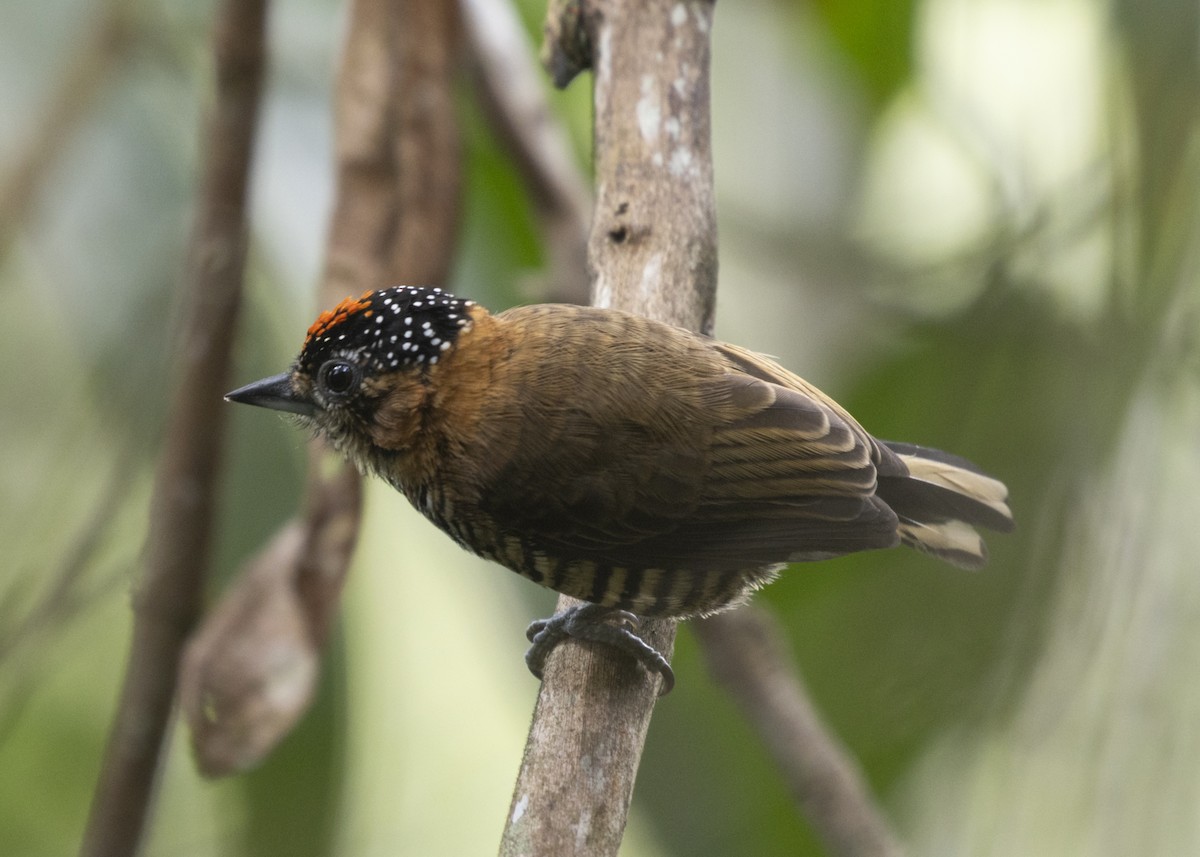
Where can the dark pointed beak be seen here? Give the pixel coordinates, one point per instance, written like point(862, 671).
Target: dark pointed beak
point(276, 393)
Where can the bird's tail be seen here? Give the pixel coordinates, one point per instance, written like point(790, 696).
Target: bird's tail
point(940, 499)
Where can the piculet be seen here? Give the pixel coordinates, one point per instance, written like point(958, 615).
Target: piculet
point(638, 466)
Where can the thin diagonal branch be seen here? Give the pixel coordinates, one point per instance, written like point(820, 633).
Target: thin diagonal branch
point(747, 655)
point(93, 63)
point(511, 93)
point(177, 545)
point(65, 595)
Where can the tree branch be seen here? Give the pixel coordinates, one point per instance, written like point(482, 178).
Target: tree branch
point(428, 149)
point(510, 92)
point(250, 671)
point(93, 63)
point(65, 595)
point(747, 655)
point(652, 251)
point(177, 544)
point(395, 218)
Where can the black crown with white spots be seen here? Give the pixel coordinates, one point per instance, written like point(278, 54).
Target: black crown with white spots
point(388, 330)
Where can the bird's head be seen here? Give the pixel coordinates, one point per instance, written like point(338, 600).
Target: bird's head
point(364, 367)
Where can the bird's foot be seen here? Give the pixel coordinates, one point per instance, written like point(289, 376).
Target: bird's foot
point(596, 624)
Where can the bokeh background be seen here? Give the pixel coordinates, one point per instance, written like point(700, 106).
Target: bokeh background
point(975, 222)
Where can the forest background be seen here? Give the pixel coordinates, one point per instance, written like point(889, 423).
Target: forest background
point(974, 222)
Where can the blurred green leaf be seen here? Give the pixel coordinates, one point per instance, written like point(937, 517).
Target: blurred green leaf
point(1164, 74)
point(875, 36)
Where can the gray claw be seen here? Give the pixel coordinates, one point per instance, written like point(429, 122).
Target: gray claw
point(597, 624)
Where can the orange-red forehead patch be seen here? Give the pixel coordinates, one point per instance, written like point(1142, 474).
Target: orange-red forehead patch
point(333, 317)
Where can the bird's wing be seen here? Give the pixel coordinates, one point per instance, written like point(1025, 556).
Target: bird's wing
point(731, 469)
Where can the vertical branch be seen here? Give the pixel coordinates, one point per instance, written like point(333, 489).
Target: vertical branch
point(653, 247)
point(652, 251)
point(396, 216)
point(251, 672)
point(177, 544)
point(426, 140)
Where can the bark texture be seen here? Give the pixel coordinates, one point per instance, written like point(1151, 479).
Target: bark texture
point(652, 251)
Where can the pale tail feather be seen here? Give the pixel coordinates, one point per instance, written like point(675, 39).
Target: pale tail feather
point(956, 542)
point(940, 499)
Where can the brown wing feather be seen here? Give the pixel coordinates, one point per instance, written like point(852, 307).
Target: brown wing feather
point(738, 465)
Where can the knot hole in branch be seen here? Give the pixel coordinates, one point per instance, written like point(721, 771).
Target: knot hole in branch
point(621, 231)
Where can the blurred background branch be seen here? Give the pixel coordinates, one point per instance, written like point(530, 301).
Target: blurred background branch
point(251, 671)
point(745, 652)
point(168, 599)
point(105, 44)
point(512, 96)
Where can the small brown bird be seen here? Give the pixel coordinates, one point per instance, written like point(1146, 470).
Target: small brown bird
point(635, 465)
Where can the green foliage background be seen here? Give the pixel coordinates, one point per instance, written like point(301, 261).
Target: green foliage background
point(975, 223)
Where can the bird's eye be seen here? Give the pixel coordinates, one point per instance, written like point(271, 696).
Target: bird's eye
point(338, 377)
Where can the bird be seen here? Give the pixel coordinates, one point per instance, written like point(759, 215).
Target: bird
point(645, 469)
